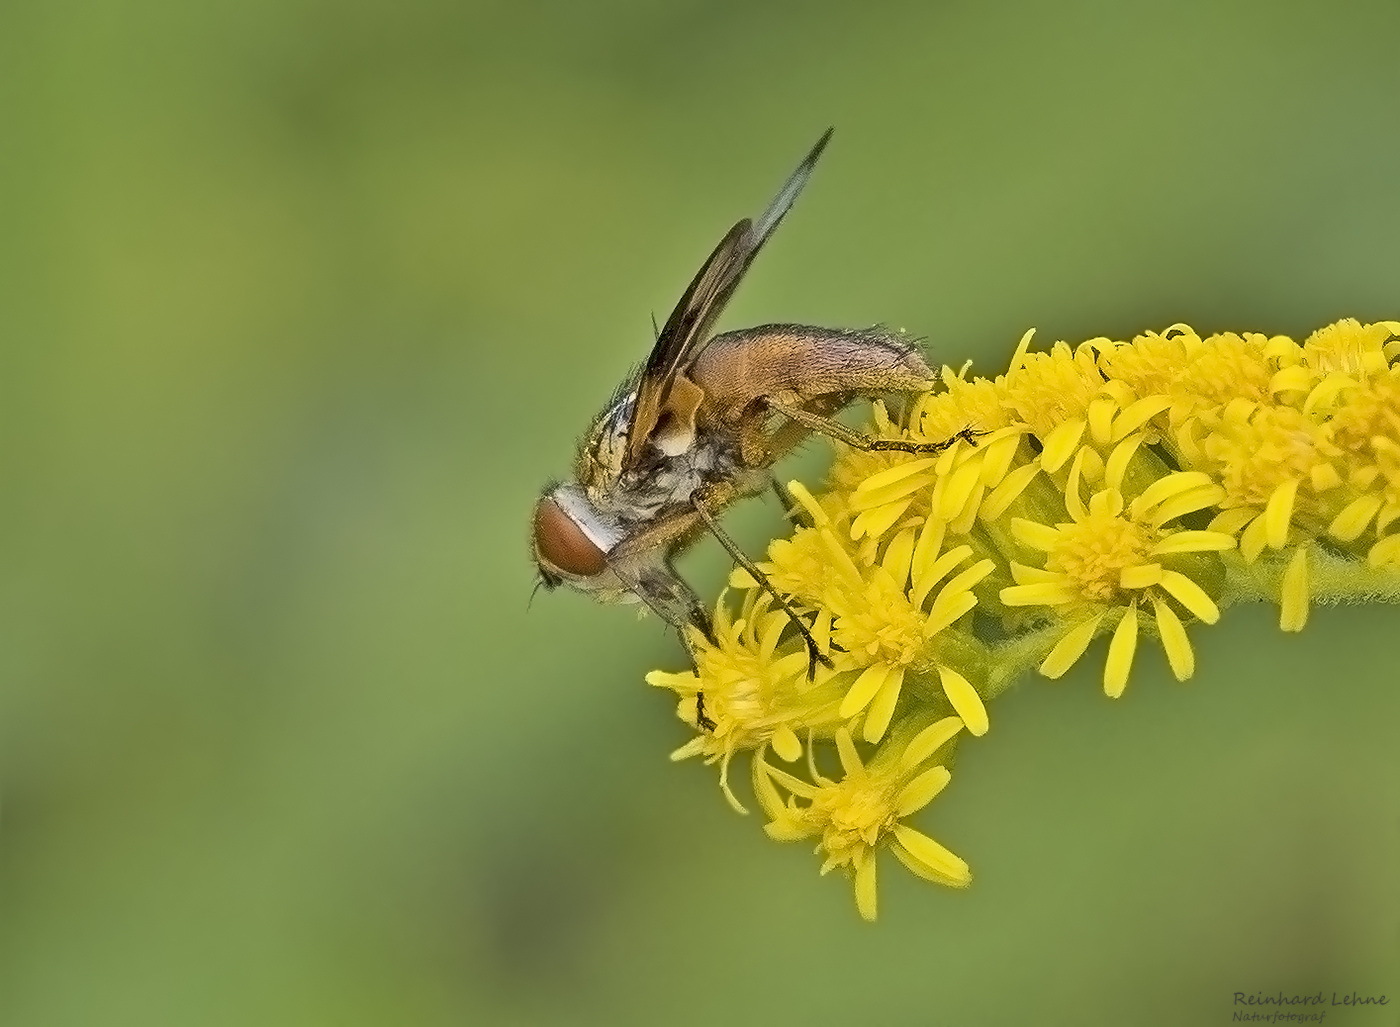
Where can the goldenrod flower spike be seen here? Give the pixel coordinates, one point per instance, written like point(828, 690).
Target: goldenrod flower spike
point(1126, 489)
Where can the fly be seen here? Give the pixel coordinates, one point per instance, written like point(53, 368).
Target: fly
point(699, 426)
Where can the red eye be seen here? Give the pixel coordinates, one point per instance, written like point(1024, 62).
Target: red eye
point(561, 543)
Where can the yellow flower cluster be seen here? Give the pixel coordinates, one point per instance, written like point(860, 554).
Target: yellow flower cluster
point(1118, 488)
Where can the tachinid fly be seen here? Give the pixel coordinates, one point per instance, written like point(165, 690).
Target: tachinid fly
point(699, 427)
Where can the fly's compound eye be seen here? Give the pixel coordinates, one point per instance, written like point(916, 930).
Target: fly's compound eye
point(562, 546)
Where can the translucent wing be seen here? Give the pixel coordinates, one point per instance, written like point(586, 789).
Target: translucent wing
point(688, 328)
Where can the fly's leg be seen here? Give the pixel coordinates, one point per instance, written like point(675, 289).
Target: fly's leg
point(668, 595)
point(786, 502)
point(814, 655)
point(790, 508)
point(666, 592)
point(856, 439)
point(661, 588)
point(703, 722)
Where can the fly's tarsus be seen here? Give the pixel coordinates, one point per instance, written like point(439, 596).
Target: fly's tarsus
point(969, 435)
point(857, 439)
point(702, 721)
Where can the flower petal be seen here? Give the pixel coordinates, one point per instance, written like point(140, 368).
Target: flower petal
point(999, 500)
point(1294, 599)
point(863, 689)
point(919, 792)
point(1190, 595)
point(1253, 539)
point(1387, 550)
point(786, 829)
point(1034, 534)
point(964, 699)
point(765, 790)
point(786, 743)
point(929, 860)
point(1038, 595)
point(1138, 414)
point(1348, 525)
point(930, 740)
point(1101, 413)
point(1193, 542)
point(1074, 502)
point(865, 886)
point(1164, 488)
point(1023, 575)
point(877, 718)
point(1120, 654)
point(1278, 513)
point(1118, 460)
point(875, 490)
point(899, 555)
point(1142, 576)
point(846, 750)
point(1178, 647)
point(1061, 444)
point(1071, 647)
point(965, 580)
point(947, 610)
point(1185, 502)
point(958, 488)
point(877, 521)
point(686, 680)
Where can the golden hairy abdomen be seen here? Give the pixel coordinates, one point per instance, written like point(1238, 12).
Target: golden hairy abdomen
point(794, 363)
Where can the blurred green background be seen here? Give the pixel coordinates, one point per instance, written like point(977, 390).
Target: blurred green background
point(301, 302)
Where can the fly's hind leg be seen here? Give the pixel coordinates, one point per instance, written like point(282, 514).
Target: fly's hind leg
point(856, 439)
point(814, 654)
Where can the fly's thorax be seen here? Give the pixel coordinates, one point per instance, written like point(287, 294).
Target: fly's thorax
point(662, 476)
point(661, 483)
point(604, 447)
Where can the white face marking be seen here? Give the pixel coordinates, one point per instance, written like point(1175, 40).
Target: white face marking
point(603, 531)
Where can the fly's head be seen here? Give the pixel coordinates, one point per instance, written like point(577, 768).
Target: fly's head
point(578, 523)
point(570, 542)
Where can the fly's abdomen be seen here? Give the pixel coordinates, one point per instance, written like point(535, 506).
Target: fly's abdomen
point(801, 363)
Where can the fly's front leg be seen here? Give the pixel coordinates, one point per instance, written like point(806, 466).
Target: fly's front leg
point(834, 429)
point(666, 592)
point(676, 603)
point(814, 654)
point(643, 562)
point(789, 506)
point(702, 720)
